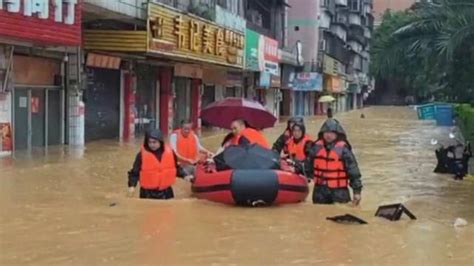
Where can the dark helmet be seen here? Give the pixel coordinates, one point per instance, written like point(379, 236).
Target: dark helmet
point(294, 119)
point(332, 125)
point(153, 134)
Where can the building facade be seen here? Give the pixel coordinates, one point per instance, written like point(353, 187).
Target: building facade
point(172, 58)
point(340, 53)
point(39, 75)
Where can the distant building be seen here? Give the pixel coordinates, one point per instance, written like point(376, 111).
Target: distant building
point(335, 35)
point(380, 6)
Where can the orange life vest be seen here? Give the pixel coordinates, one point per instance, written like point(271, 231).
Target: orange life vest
point(297, 149)
point(155, 174)
point(328, 166)
point(253, 136)
point(187, 147)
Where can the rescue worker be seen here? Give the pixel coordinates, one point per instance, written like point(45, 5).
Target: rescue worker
point(283, 138)
point(187, 147)
point(156, 167)
point(296, 146)
point(247, 135)
point(333, 166)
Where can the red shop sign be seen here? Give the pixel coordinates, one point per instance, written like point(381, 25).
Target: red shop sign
point(55, 22)
point(270, 50)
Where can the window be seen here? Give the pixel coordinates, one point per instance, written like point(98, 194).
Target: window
point(324, 3)
point(354, 5)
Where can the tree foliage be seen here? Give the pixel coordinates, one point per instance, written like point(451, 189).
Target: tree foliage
point(430, 48)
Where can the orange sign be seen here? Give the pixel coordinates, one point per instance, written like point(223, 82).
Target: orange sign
point(103, 61)
point(188, 71)
point(5, 137)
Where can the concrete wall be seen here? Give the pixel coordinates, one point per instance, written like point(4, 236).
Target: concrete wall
point(303, 25)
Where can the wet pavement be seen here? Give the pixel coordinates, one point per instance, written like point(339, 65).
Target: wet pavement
point(71, 208)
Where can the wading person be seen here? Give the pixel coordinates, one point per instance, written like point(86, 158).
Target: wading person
point(156, 168)
point(283, 138)
point(187, 147)
point(297, 144)
point(333, 167)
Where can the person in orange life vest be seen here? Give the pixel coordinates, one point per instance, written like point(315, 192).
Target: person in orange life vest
point(187, 147)
point(243, 134)
point(333, 166)
point(280, 143)
point(297, 145)
point(155, 167)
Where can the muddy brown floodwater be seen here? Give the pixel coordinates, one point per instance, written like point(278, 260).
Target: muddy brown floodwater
point(55, 209)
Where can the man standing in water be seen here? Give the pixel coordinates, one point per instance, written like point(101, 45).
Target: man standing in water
point(333, 167)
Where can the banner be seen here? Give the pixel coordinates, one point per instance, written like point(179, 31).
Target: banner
point(308, 81)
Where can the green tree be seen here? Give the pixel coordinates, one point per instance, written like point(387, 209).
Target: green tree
point(431, 47)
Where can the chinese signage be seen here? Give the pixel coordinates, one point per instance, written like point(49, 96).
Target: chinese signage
point(270, 56)
point(308, 81)
point(176, 34)
point(42, 21)
point(261, 53)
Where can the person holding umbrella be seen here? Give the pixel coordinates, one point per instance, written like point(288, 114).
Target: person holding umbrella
point(243, 117)
point(243, 134)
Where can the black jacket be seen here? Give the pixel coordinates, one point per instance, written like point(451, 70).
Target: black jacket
point(134, 173)
point(348, 157)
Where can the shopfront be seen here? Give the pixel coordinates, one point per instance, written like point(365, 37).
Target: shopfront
point(305, 86)
point(35, 74)
point(102, 97)
point(262, 59)
point(186, 44)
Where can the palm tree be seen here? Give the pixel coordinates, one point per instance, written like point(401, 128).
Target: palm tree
point(439, 27)
point(433, 49)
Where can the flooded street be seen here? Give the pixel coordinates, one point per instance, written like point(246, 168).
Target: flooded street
point(61, 210)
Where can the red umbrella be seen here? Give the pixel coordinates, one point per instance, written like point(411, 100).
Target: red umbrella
point(222, 113)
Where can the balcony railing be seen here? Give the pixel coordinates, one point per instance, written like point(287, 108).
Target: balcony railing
point(367, 33)
point(341, 3)
point(354, 19)
point(339, 31)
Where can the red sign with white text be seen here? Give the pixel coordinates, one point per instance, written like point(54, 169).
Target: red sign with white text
point(48, 22)
point(271, 50)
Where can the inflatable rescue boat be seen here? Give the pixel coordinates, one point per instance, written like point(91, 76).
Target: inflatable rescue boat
point(249, 187)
